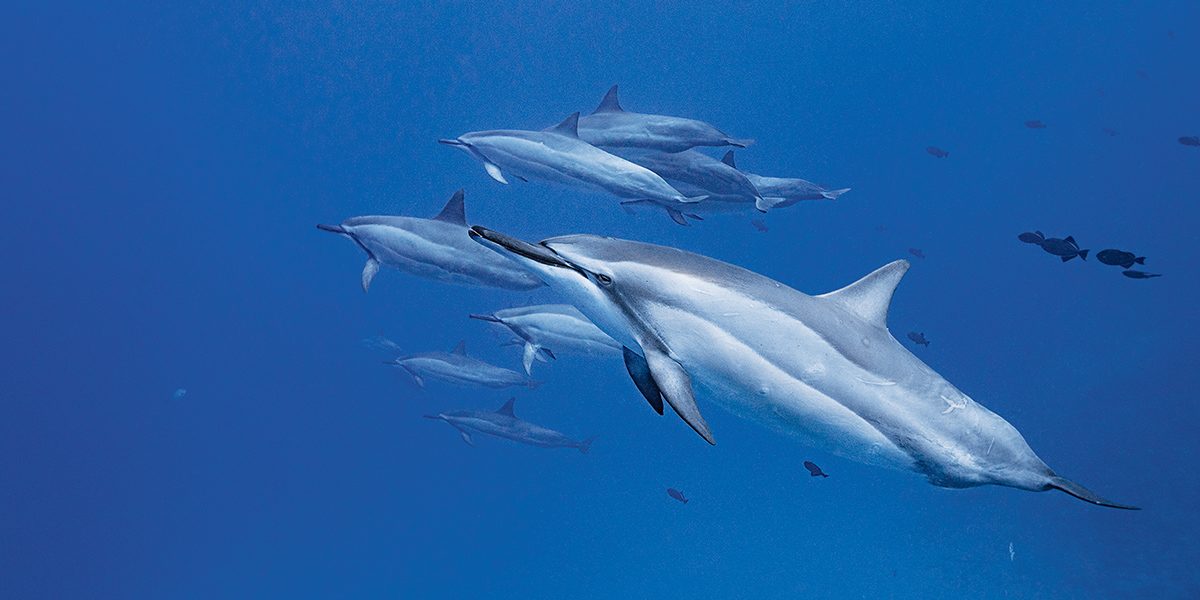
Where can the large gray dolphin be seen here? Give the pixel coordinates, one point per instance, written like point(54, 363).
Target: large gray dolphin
point(822, 368)
point(778, 192)
point(557, 154)
point(457, 368)
point(612, 126)
point(503, 423)
point(436, 248)
point(549, 328)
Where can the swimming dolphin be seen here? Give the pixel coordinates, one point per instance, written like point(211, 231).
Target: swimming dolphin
point(503, 423)
point(458, 368)
point(780, 192)
point(549, 328)
point(612, 126)
point(557, 154)
point(436, 248)
point(822, 368)
point(696, 173)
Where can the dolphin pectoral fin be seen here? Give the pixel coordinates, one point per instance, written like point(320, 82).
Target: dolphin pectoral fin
point(466, 437)
point(494, 172)
point(369, 271)
point(676, 215)
point(676, 388)
point(528, 356)
point(1074, 489)
point(639, 371)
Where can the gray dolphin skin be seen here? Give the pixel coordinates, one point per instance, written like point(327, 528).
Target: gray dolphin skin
point(692, 170)
point(547, 329)
point(612, 126)
point(822, 368)
point(557, 154)
point(459, 369)
point(780, 192)
point(503, 423)
point(436, 248)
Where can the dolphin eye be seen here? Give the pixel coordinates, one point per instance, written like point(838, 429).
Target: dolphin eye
point(604, 280)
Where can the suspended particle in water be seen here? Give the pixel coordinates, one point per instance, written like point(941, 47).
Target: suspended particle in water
point(179, 394)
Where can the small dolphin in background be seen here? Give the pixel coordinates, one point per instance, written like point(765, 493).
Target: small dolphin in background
point(781, 192)
point(917, 252)
point(503, 423)
point(918, 338)
point(1120, 258)
point(1035, 124)
point(557, 154)
point(437, 248)
point(938, 152)
point(813, 469)
point(553, 327)
point(676, 494)
point(696, 174)
point(1140, 274)
point(458, 368)
point(1190, 140)
point(612, 126)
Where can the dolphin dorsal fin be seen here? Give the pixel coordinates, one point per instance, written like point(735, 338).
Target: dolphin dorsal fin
point(460, 348)
point(609, 103)
point(507, 409)
point(454, 211)
point(728, 159)
point(870, 296)
point(569, 127)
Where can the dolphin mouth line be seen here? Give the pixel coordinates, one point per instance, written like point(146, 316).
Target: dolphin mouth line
point(449, 142)
point(539, 253)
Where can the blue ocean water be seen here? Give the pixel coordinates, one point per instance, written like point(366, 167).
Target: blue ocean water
point(164, 166)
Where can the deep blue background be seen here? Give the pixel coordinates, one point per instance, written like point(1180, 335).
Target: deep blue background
point(163, 168)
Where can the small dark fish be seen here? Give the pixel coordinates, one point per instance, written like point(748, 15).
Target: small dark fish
point(916, 252)
point(918, 338)
point(1066, 249)
point(1119, 258)
point(759, 225)
point(676, 494)
point(813, 469)
point(1034, 237)
point(1035, 124)
point(938, 152)
point(1140, 274)
point(1190, 140)
point(1109, 132)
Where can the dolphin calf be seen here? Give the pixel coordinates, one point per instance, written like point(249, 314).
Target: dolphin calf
point(548, 328)
point(436, 248)
point(822, 368)
point(458, 368)
point(780, 192)
point(503, 423)
point(696, 174)
point(557, 154)
point(612, 126)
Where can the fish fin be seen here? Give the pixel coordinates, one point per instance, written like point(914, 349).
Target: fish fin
point(1083, 254)
point(1040, 234)
point(586, 445)
point(764, 204)
point(454, 211)
point(610, 102)
point(569, 126)
point(639, 371)
point(460, 348)
point(368, 273)
point(676, 388)
point(728, 159)
point(507, 409)
point(742, 143)
point(694, 199)
point(1074, 489)
point(527, 358)
point(1141, 260)
point(488, 318)
point(833, 194)
point(1070, 239)
point(870, 296)
point(1066, 258)
point(676, 215)
point(493, 171)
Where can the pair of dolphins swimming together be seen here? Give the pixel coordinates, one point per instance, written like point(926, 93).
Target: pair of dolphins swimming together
point(822, 368)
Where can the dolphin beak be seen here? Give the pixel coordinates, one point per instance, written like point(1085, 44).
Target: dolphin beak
point(332, 228)
point(535, 252)
point(451, 142)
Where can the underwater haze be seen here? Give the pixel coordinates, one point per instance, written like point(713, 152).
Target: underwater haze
point(188, 409)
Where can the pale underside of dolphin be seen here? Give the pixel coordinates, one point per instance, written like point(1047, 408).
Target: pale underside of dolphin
point(504, 423)
point(822, 368)
point(612, 126)
point(558, 155)
point(457, 368)
point(436, 248)
point(546, 330)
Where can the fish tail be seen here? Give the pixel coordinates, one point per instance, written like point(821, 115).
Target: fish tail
point(1141, 260)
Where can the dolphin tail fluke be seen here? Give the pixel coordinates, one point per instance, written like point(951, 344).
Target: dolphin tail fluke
point(332, 228)
point(740, 143)
point(586, 445)
point(1083, 254)
point(1074, 489)
point(488, 318)
point(833, 194)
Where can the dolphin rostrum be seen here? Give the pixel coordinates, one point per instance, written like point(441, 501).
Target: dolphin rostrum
point(549, 328)
point(822, 368)
point(503, 423)
point(612, 126)
point(557, 154)
point(458, 368)
point(434, 248)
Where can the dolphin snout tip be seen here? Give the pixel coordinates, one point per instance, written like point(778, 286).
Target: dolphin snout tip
point(331, 228)
point(452, 142)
